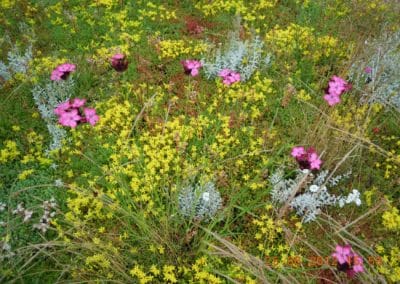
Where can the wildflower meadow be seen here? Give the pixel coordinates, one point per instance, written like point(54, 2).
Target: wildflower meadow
point(224, 141)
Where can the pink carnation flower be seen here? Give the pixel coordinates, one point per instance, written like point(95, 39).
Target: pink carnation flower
point(61, 72)
point(332, 99)
point(70, 118)
point(91, 116)
point(61, 108)
point(119, 62)
point(229, 76)
point(298, 151)
point(77, 103)
point(70, 113)
point(336, 87)
point(342, 253)
point(307, 159)
point(191, 67)
point(348, 261)
point(368, 70)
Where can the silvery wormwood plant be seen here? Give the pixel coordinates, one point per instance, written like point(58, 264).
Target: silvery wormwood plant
point(377, 73)
point(314, 194)
point(47, 98)
point(17, 62)
point(240, 56)
point(200, 202)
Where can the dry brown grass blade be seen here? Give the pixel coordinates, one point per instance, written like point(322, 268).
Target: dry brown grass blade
point(250, 263)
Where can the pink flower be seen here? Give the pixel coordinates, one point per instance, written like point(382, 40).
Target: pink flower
point(119, 62)
point(71, 114)
point(342, 253)
point(336, 87)
point(298, 151)
point(77, 103)
point(229, 76)
point(348, 261)
point(368, 70)
point(307, 159)
point(315, 161)
point(61, 108)
point(191, 67)
point(332, 99)
point(61, 72)
point(70, 118)
point(91, 116)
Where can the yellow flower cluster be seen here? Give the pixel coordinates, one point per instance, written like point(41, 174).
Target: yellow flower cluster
point(250, 11)
point(24, 174)
point(392, 160)
point(156, 12)
point(271, 241)
point(391, 219)
point(35, 152)
point(297, 40)
point(9, 152)
point(175, 48)
point(352, 118)
point(7, 4)
point(196, 273)
point(391, 263)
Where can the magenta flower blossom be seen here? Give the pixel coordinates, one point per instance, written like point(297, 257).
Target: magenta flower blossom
point(307, 159)
point(61, 108)
point(229, 76)
point(61, 72)
point(119, 62)
point(191, 67)
point(368, 70)
point(336, 87)
point(342, 253)
point(77, 103)
point(348, 261)
point(73, 112)
point(91, 116)
point(315, 161)
point(332, 99)
point(298, 151)
point(70, 118)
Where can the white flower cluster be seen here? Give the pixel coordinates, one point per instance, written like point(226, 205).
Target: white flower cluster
point(5, 250)
point(2, 206)
point(240, 56)
point(200, 202)
point(312, 195)
point(25, 213)
point(49, 208)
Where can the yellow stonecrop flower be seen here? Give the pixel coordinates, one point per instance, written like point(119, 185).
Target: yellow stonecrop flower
point(295, 38)
point(9, 152)
point(7, 4)
point(390, 266)
point(175, 48)
point(156, 12)
point(138, 272)
point(24, 174)
point(251, 11)
point(391, 219)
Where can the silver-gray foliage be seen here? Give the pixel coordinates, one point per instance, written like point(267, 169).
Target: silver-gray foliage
point(314, 194)
point(47, 98)
point(17, 63)
point(240, 56)
point(382, 83)
point(200, 202)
